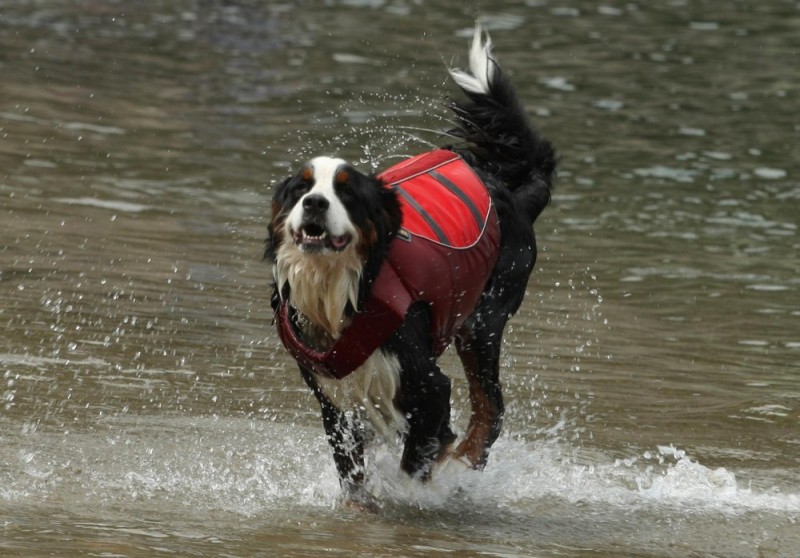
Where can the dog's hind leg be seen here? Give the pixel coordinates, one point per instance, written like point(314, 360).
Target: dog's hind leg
point(479, 351)
point(479, 340)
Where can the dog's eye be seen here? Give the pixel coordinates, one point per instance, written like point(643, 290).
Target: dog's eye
point(305, 182)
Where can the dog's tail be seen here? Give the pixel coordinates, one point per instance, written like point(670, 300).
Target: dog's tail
point(499, 138)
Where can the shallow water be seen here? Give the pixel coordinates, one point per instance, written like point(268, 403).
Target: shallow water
point(651, 376)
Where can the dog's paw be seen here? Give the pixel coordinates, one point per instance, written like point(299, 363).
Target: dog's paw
point(362, 506)
point(452, 466)
point(360, 501)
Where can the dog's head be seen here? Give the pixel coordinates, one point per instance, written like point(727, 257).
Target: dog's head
point(318, 220)
point(330, 228)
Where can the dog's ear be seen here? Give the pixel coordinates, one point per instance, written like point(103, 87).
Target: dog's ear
point(270, 243)
point(383, 230)
point(280, 193)
point(275, 225)
point(392, 212)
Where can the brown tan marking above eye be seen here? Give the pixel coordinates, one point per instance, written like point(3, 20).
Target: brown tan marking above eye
point(307, 174)
point(342, 177)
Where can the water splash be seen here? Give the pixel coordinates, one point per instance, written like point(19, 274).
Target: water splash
point(522, 475)
point(259, 468)
point(372, 129)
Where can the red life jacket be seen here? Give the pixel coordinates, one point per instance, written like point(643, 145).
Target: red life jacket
point(443, 255)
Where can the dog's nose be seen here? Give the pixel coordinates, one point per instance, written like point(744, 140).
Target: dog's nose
point(315, 203)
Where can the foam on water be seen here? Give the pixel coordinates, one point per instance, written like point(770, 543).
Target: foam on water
point(522, 474)
point(252, 468)
point(230, 465)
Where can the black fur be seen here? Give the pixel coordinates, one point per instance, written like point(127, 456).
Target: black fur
point(501, 142)
point(518, 165)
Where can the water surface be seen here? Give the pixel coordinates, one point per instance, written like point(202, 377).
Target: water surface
point(651, 376)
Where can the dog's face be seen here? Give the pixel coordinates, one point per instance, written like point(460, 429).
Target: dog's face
point(330, 227)
point(329, 207)
point(318, 220)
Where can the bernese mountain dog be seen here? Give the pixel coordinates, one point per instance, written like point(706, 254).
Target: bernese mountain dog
point(375, 275)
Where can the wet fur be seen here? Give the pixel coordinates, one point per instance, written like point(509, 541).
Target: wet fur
point(326, 288)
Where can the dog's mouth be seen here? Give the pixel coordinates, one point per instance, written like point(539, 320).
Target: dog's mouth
point(315, 238)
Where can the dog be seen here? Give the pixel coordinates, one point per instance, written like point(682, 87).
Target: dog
point(374, 276)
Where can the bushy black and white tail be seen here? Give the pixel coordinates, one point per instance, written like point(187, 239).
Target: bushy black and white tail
point(499, 137)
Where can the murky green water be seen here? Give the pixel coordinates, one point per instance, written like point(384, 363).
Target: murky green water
point(652, 376)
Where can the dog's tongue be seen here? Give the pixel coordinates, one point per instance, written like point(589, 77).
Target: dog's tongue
point(339, 242)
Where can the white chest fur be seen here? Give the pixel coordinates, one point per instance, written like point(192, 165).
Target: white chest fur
point(370, 390)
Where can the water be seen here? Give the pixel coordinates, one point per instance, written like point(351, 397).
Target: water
point(651, 376)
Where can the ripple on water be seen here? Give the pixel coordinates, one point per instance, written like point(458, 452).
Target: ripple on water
point(667, 173)
point(754, 342)
point(612, 105)
point(718, 155)
point(559, 83)
point(116, 205)
point(691, 131)
point(770, 410)
point(767, 288)
point(769, 173)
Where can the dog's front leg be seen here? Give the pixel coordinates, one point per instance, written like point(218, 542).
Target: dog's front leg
point(425, 396)
point(346, 438)
point(429, 435)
